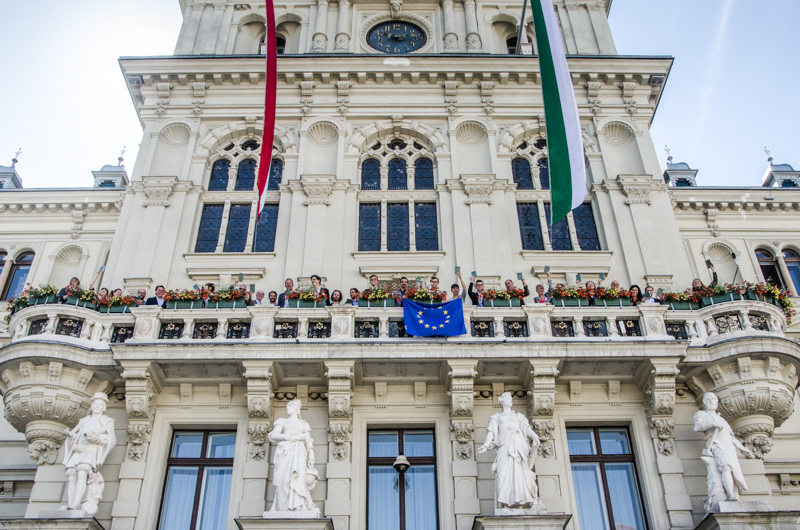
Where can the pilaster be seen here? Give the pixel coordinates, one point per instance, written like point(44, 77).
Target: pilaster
point(461, 381)
point(340, 424)
point(258, 379)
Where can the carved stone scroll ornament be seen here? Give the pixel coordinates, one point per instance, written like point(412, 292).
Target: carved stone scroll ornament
point(340, 436)
point(544, 430)
point(258, 376)
point(257, 433)
point(462, 436)
point(43, 445)
point(140, 402)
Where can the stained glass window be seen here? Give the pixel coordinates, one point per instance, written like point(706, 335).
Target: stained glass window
point(369, 227)
point(371, 174)
point(238, 223)
point(219, 175)
point(559, 234)
point(246, 176)
point(521, 169)
point(529, 226)
point(423, 174)
point(426, 230)
point(585, 227)
point(544, 173)
point(266, 226)
point(397, 226)
point(275, 174)
point(251, 145)
point(398, 175)
point(210, 223)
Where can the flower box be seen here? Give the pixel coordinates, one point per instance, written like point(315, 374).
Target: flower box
point(718, 299)
point(294, 303)
point(686, 305)
point(114, 309)
point(188, 304)
point(614, 302)
point(569, 302)
point(502, 302)
point(230, 304)
point(386, 302)
point(49, 299)
point(73, 300)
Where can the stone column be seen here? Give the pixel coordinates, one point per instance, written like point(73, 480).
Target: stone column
point(340, 424)
point(41, 401)
point(191, 22)
point(258, 378)
point(320, 43)
point(461, 382)
point(473, 39)
point(216, 25)
point(787, 278)
point(450, 36)
point(142, 387)
point(318, 192)
point(342, 27)
point(658, 387)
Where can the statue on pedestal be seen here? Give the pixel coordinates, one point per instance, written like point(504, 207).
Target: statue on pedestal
point(725, 476)
point(294, 475)
point(87, 446)
point(515, 490)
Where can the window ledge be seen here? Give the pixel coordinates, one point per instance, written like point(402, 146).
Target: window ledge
point(390, 256)
point(583, 261)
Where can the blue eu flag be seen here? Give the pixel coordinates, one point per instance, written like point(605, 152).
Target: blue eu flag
point(423, 320)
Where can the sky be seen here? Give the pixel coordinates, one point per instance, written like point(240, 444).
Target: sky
point(731, 93)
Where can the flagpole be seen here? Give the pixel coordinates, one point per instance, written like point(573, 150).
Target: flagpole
point(521, 27)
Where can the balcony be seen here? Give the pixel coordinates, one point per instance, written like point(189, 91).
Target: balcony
point(92, 331)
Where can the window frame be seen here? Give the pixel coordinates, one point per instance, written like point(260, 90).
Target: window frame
point(601, 459)
point(200, 463)
point(415, 460)
point(14, 267)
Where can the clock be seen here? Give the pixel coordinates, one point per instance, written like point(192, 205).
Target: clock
point(396, 37)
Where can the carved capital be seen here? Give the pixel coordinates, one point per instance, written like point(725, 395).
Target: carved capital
point(635, 188)
point(478, 188)
point(461, 388)
point(462, 436)
point(317, 189)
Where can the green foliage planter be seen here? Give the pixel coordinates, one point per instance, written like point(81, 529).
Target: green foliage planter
point(510, 302)
point(569, 302)
point(294, 303)
point(388, 302)
point(49, 299)
point(73, 300)
point(614, 302)
point(684, 306)
point(189, 304)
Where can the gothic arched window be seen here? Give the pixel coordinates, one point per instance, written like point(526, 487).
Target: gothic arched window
point(275, 174)
point(423, 174)
point(246, 175)
point(371, 174)
point(521, 169)
point(398, 174)
point(251, 145)
point(219, 175)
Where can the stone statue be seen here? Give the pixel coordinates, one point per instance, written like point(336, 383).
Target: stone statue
point(515, 490)
point(294, 475)
point(725, 477)
point(87, 446)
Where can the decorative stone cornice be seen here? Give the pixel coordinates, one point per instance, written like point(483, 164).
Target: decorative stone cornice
point(636, 188)
point(478, 188)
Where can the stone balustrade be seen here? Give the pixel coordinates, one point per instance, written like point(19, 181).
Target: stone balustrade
point(98, 330)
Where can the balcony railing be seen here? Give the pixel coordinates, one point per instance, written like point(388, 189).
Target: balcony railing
point(538, 323)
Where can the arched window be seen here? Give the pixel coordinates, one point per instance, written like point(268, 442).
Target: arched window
point(275, 174)
point(281, 44)
point(423, 174)
point(219, 175)
point(769, 269)
point(792, 260)
point(398, 174)
point(246, 175)
point(17, 276)
point(511, 44)
point(521, 169)
point(371, 174)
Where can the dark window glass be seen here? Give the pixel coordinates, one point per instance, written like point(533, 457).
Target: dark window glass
point(219, 175)
point(397, 226)
point(604, 477)
point(107, 184)
point(275, 174)
point(540, 144)
point(281, 45)
point(251, 145)
point(521, 169)
point(210, 223)
point(246, 175)
point(238, 223)
point(559, 234)
point(544, 173)
point(426, 230)
point(683, 183)
point(18, 276)
point(788, 184)
point(401, 501)
point(371, 174)
point(266, 227)
point(198, 486)
point(398, 176)
point(792, 261)
point(511, 44)
point(585, 227)
point(769, 268)
point(530, 228)
point(397, 143)
point(423, 174)
point(369, 227)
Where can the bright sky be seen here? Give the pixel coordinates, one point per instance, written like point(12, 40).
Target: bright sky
point(732, 90)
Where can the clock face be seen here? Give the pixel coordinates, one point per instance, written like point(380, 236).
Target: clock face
point(396, 37)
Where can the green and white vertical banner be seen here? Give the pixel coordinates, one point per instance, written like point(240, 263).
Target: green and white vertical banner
point(564, 139)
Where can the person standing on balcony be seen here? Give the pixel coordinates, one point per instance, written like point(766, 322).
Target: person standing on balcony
point(319, 290)
point(259, 299)
point(649, 297)
point(373, 283)
point(158, 299)
point(283, 299)
point(635, 295)
point(476, 296)
point(353, 300)
point(526, 292)
point(401, 292)
point(63, 294)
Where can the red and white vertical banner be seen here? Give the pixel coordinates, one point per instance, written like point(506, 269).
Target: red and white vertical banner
point(270, 96)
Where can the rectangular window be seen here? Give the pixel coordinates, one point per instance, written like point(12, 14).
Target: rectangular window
point(604, 476)
point(425, 226)
point(210, 223)
point(585, 227)
point(369, 227)
point(401, 501)
point(266, 227)
point(397, 227)
point(198, 486)
point(238, 223)
point(529, 226)
point(559, 234)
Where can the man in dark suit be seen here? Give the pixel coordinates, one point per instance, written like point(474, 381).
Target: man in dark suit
point(158, 299)
point(283, 298)
point(476, 296)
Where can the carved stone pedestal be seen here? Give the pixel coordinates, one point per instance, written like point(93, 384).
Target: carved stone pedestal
point(521, 522)
point(741, 520)
point(51, 524)
point(257, 523)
